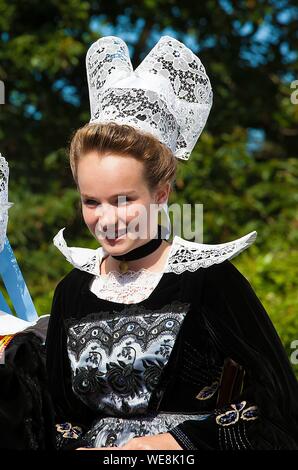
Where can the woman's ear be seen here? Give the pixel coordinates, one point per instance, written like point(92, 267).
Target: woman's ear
point(162, 194)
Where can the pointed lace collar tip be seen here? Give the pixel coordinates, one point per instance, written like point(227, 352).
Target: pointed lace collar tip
point(189, 255)
point(241, 244)
point(85, 259)
point(247, 240)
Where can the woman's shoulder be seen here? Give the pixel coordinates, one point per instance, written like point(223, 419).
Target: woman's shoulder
point(72, 281)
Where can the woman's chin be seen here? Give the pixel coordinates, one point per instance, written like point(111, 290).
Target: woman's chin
point(122, 242)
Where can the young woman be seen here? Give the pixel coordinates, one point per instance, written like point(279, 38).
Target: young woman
point(154, 344)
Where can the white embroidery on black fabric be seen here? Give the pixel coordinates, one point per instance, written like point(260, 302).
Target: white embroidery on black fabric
point(232, 424)
point(117, 363)
point(235, 439)
point(230, 438)
point(240, 438)
point(245, 435)
point(225, 438)
point(188, 445)
point(221, 446)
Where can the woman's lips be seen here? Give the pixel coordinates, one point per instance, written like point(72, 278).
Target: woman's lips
point(118, 235)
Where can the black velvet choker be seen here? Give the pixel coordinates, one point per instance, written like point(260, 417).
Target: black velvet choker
point(139, 252)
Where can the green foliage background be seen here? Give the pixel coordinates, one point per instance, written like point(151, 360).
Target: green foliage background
point(249, 49)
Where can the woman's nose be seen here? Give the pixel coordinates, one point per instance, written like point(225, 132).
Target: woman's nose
point(107, 216)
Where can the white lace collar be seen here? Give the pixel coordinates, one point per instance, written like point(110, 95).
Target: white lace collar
point(183, 255)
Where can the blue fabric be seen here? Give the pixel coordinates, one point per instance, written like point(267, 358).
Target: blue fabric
point(15, 286)
point(3, 304)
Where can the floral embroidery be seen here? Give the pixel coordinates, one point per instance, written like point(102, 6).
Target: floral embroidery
point(250, 413)
point(152, 373)
point(124, 378)
point(237, 412)
point(88, 380)
point(208, 391)
point(117, 361)
point(69, 431)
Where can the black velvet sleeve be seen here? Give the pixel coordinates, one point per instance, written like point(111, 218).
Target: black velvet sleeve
point(72, 417)
point(265, 414)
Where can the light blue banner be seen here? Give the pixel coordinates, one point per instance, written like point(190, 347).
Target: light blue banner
point(15, 286)
point(3, 304)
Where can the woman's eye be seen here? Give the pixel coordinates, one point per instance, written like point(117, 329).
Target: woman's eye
point(122, 201)
point(90, 202)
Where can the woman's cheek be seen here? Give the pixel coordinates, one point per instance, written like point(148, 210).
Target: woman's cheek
point(84, 214)
point(125, 214)
point(136, 210)
point(89, 217)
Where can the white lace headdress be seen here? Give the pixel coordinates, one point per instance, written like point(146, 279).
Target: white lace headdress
point(4, 204)
point(168, 94)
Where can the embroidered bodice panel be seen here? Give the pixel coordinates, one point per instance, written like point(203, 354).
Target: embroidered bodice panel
point(117, 358)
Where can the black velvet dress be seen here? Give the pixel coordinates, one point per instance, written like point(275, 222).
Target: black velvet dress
point(119, 370)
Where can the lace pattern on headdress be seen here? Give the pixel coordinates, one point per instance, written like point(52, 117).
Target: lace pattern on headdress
point(4, 204)
point(169, 94)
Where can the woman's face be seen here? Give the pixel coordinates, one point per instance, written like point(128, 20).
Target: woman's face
point(116, 199)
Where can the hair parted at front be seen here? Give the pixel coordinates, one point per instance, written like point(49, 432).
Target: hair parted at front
point(160, 164)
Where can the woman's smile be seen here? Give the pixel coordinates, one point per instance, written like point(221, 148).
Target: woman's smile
point(118, 236)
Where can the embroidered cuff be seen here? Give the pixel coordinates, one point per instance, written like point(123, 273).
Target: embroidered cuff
point(182, 439)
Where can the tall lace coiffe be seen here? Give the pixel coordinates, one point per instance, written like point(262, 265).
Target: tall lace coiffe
point(4, 204)
point(168, 95)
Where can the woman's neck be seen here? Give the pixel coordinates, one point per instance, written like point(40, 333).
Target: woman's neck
point(154, 262)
